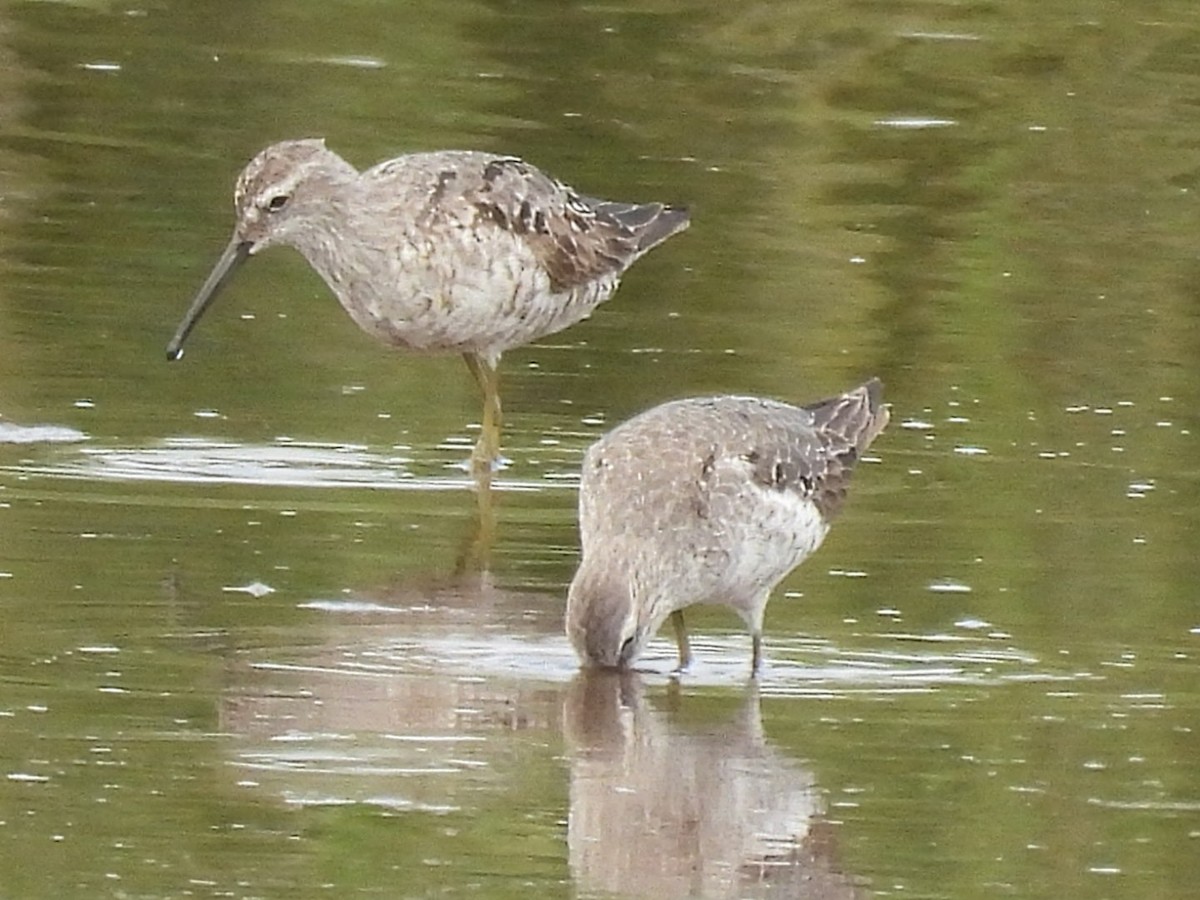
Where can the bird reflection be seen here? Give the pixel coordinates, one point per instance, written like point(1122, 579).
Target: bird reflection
point(475, 554)
point(662, 810)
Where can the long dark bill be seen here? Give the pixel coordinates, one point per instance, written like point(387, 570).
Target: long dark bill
point(235, 254)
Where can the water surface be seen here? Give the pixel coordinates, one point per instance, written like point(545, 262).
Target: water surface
point(257, 638)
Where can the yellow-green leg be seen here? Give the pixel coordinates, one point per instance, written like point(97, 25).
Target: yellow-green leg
point(487, 449)
point(475, 555)
point(681, 640)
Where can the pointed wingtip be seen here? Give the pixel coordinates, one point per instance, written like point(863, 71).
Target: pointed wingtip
point(666, 221)
point(874, 388)
point(858, 415)
point(879, 414)
point(679, 216)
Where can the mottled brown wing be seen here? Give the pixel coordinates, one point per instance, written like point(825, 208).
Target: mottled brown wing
point(816, 462)
point(576, 239)
point(816, 466)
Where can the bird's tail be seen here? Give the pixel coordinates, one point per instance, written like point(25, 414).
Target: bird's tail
point(858, 415)
point(650, 223)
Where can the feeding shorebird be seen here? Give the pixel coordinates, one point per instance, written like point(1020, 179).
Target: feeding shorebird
point(707, 500)
point(446, 252)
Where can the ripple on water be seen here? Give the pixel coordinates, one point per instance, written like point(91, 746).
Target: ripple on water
point(11, 433)
point(793, 666)
point(284, 463)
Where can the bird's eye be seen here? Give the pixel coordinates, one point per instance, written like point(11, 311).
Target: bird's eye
point(625, 656)
point(278, 202)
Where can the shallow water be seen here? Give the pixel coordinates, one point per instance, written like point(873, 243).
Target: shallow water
point(259, 639)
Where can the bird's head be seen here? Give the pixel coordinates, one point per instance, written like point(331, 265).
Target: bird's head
point(282, 197)
point(608, 621)
point(284, 191)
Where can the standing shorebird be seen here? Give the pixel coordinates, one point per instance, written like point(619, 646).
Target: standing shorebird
point(447, 252)
point(708, 500)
